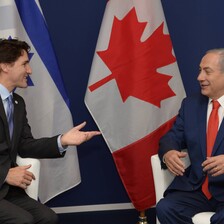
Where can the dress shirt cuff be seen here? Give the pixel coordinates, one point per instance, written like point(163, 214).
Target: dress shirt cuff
point(60, 147)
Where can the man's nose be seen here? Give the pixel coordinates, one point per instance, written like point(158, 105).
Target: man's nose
point(29, 70)
point(200, 76)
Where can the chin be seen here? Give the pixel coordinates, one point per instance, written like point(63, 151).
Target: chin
point(205, 93)
point(23, 86)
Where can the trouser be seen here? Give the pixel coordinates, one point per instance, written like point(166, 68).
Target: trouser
point(18, 208)
point(179, 207)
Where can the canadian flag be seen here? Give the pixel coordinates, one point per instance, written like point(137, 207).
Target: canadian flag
point(134, 90)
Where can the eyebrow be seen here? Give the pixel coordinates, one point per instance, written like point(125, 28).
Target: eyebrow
point(207, 68)
point(25, 62)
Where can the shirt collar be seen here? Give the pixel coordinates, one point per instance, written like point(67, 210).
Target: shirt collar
point(4, 92)
point(220, 100)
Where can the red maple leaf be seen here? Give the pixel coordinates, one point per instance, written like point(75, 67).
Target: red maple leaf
point(134, 63)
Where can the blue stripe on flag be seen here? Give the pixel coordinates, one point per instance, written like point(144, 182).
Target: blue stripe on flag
point(36, 29)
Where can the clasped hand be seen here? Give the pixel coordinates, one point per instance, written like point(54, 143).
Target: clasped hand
point(214, 165)
point(174, 163)
point(20, 176)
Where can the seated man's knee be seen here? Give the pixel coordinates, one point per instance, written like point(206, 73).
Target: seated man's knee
point(28, 219)
point(218, 217)
point(162, 207)
point(49, 217)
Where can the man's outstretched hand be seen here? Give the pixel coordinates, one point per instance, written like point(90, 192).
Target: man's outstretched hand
point(76, 137)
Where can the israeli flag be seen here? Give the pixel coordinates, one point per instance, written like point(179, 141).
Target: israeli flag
point(46, 100)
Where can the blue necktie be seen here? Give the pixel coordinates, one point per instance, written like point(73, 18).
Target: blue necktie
point(9, 114)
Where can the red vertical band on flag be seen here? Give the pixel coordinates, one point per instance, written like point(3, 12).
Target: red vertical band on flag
point(134, 166)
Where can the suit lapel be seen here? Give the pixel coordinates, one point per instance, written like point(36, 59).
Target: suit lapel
point(16, 119)
point(219, 138)
point(4, 119)
point(203, 124)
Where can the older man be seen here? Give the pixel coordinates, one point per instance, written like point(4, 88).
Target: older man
point(200, 129)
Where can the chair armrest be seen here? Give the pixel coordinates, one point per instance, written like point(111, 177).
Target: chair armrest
point(32, 189)
point(162, 178)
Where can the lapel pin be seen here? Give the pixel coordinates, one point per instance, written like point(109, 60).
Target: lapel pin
point(16, 102)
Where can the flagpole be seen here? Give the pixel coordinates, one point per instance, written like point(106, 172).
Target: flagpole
point(142, 218)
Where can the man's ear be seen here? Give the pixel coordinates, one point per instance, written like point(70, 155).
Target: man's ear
point(3, 67)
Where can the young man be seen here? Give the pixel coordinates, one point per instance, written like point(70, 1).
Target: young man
point(200, 129)
point(16, 138)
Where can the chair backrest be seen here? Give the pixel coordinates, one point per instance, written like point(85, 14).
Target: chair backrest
point(32, 189)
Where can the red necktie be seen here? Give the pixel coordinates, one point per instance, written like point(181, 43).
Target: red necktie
point(212, 129)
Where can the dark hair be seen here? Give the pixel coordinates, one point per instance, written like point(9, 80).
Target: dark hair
point(12, 49)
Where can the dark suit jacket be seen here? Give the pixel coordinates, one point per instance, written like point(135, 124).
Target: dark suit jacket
point(189, 131)
point(22, 142)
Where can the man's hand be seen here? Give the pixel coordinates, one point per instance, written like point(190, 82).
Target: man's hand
point(214, 165)
point(77, 137)
point(20, 176)
point(174, 163)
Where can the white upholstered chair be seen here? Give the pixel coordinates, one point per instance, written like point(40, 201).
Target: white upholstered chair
point(162, 178)
point(32, 189)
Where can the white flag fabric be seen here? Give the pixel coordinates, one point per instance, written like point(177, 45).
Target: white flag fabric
point(134, 90)
point(46, 100)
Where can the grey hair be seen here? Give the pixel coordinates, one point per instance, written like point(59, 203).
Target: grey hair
point(220, 52)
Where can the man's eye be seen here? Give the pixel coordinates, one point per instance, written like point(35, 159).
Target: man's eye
point(208, 71)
